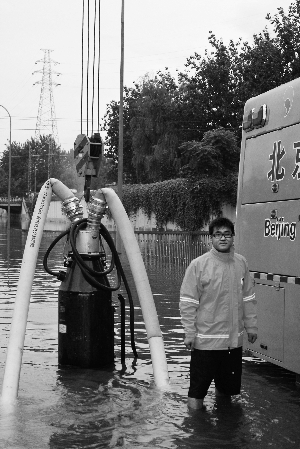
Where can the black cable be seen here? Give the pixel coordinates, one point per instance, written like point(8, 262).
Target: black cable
point(107, 236)
point(94, 58)
point(122, 307)
point(81, 224)
point(57, 239)
point(82, 42)
point(79, 260)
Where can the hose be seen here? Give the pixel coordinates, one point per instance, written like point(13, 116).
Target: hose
point(122, 308)
point(107, 238)
point(60, 274)
point(90, 274)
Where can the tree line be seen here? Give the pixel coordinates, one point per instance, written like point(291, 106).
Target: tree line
point(32, 163)
point(169, 121)
point(184, 127)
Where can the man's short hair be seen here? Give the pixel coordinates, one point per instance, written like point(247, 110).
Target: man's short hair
point(220, 222)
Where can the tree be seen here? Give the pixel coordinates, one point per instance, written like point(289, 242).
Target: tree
point(46, 162)
point(69, 175)
point(270, 61)
point(153, 129)
point(258, 68)
point(150, 129)
point(166, 120)
point(111, 127)
point(211, 168)
point(216, 156)
point(210, 88)
point(287, 40)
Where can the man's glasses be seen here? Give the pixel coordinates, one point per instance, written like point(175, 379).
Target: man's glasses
point(219, 235)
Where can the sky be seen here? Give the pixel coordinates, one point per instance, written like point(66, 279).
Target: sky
point(157, 34)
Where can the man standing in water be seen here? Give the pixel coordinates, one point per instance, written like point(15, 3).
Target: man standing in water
point(216, 304)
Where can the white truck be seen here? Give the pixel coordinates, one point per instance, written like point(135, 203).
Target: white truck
point(268, 220)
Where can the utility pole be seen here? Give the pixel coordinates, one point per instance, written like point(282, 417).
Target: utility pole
point(50, 153)
point(29, 170)
point(9, 173)
point(34, 179)
point(120, 152)
point(46, 120)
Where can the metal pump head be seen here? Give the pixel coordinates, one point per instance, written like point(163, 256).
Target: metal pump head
point(73, 209)
point(97, 208)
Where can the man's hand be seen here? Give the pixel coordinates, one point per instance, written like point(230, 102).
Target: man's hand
point(252, 338)
point(189, 343)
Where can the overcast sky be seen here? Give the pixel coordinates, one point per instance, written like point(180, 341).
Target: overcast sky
point(158, 34)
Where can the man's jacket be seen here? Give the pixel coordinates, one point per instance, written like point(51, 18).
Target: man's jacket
point(217, 302)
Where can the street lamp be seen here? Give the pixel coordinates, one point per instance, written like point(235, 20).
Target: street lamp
point(9, 170)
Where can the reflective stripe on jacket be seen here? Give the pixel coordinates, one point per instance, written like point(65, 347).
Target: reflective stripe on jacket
point(217, 301)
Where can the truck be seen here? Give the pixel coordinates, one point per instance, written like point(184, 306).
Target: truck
point(268, 220)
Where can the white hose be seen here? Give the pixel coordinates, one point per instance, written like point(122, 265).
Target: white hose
point(19, 320)
point(158, 356)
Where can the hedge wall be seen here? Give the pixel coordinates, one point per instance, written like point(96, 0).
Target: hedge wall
point(189, 204)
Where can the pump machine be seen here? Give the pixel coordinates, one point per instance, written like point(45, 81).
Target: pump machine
point(85, 311)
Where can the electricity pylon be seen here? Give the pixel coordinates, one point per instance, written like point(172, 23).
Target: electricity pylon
point(46, 120)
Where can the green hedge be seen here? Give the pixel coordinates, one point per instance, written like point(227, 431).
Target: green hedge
point(189, 204)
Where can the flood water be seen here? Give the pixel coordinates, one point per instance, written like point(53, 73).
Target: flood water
point(65, 407)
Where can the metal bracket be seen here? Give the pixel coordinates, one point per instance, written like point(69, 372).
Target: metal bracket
point(277, 286)
point(87, 188)
point(88, 156)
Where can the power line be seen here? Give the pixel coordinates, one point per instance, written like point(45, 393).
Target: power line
point(89, 64)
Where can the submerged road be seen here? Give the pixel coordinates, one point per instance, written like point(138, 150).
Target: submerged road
point(65, 407)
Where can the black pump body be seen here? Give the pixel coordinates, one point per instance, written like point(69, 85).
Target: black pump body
point(85, 320)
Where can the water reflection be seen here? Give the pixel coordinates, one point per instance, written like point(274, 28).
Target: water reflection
point(64, 407)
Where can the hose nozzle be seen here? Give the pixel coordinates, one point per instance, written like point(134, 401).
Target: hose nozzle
point(73, 209)
point(96, 210)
